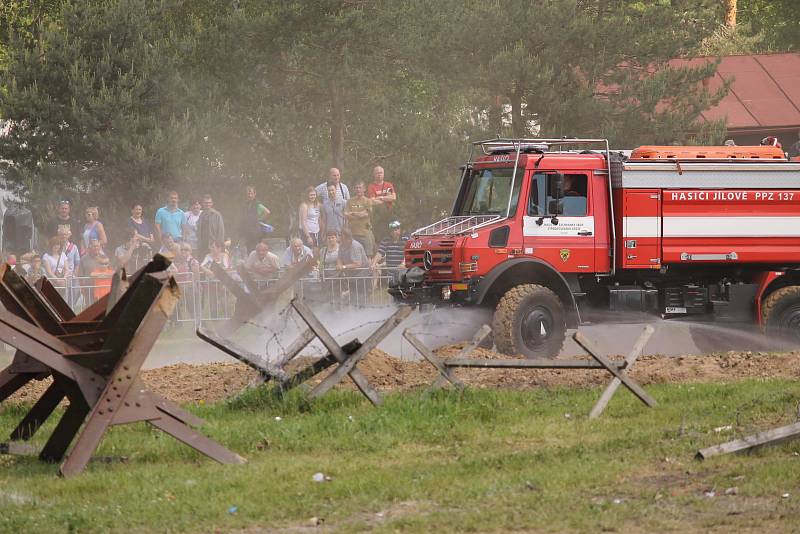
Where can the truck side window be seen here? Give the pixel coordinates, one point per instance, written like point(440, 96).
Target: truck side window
point(574, 201)
point(543, 195)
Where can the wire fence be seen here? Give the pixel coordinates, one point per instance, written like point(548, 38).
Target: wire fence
point(204, 298)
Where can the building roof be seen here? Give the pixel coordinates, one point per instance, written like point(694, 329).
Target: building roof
point(764, 94)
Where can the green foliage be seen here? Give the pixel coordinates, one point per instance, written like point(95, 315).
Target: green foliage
point(97, 106)
point(121, 99)
point(585, 68)
point(776, 23)
point(727, 41)
point(23, 19)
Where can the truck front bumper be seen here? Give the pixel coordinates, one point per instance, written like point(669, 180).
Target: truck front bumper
point(408, 286)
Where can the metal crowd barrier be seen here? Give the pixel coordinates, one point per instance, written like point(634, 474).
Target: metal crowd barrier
point(206, 299)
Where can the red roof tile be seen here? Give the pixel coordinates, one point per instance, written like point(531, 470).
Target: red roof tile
point(764, 95)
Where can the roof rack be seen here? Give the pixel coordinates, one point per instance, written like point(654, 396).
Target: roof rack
point(490, 146)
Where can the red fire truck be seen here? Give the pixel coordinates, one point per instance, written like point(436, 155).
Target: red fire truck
point(551, 233)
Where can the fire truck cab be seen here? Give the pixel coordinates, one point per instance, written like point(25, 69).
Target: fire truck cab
point(550, 232)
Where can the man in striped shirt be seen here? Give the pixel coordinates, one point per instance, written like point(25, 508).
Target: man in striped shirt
point(391, 250)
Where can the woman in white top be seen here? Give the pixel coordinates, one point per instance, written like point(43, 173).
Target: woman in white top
point(55, 262)
point(309, 218)
point(190, 232)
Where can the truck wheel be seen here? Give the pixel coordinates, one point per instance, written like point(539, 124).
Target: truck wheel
point(780, 313)
point(529, 320)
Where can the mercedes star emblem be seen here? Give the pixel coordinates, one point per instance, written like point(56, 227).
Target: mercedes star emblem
point(427, 260)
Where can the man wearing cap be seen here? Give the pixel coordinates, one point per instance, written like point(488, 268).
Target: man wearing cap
point(391, 250)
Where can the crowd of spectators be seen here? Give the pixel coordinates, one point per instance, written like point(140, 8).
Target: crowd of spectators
point(337, 230)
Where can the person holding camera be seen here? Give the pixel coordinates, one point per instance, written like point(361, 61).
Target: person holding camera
point(132, 254)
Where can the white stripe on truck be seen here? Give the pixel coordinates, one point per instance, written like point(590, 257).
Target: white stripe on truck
point(712, 226)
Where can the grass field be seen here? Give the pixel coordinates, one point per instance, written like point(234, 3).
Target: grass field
point(476, 461)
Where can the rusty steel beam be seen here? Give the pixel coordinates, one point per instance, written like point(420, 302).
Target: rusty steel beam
point(95, 358)
point(54, 298)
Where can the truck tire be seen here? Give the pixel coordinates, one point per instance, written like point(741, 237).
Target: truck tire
point(530, 320)
point(780, 313)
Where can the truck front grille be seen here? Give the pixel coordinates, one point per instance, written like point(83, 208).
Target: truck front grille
point(442, 265)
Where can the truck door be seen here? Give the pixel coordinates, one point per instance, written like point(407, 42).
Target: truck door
point(641, 229)
point(561, 232)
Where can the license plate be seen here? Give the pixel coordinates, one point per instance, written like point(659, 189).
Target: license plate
point(674, 309)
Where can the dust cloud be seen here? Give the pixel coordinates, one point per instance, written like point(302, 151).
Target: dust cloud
point(269, 334)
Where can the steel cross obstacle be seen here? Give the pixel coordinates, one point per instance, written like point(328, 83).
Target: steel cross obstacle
point(348, 360)
point(94, 359)
point(619, 371)
point(267, 370)
point(275, 370)
point(345, 357)
point(446, 372)
point(252, 300)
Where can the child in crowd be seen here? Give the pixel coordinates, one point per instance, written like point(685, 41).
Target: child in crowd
point(35, 270)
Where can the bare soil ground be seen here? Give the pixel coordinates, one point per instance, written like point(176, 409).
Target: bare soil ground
point(187, 383)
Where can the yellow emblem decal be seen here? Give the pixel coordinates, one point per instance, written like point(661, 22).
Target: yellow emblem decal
point(564, 254)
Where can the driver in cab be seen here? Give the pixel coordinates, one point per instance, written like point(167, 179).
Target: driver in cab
point(570, 187)
point(574, 196)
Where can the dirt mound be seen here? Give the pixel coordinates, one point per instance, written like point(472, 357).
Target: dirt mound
point(186, 383)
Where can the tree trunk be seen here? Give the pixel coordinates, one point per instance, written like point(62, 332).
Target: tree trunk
point(517, 121)
point(730, 13)
point(337, 124)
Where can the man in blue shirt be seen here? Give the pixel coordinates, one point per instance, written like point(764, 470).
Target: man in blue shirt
point(170, 219)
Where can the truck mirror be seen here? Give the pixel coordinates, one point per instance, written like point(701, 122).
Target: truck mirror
point(556, 206)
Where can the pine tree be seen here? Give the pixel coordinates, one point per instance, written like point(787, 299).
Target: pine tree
point(96, 107)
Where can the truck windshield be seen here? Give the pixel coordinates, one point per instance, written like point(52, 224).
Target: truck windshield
point(487, 192)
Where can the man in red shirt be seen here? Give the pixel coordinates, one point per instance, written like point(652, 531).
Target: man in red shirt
point(384, 191)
